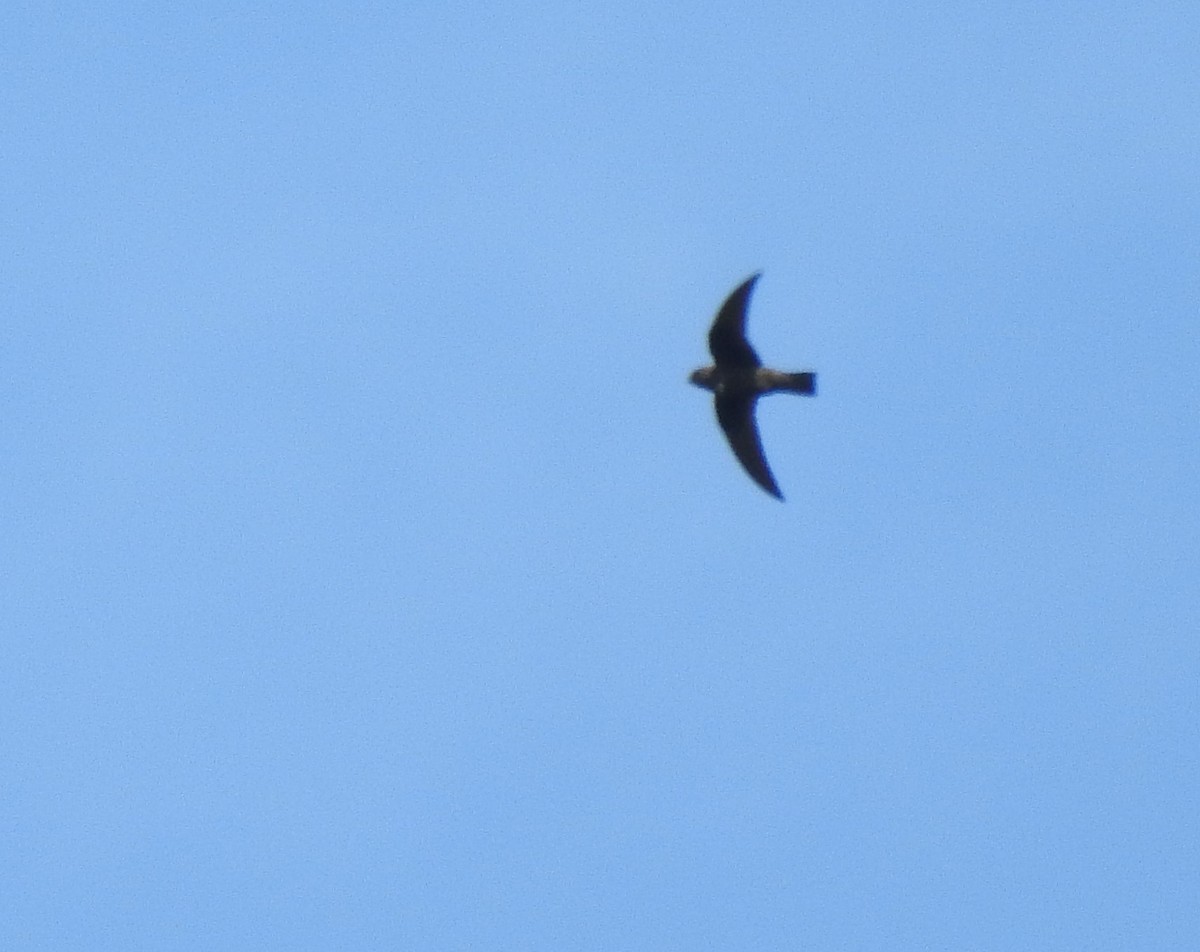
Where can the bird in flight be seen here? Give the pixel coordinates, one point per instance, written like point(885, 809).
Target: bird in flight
point(737, 379)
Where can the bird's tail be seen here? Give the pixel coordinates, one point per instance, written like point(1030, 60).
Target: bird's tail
point(805, 383)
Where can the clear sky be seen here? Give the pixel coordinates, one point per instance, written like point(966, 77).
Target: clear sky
point(373, 578)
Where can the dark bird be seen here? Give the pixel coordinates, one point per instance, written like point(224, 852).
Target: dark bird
point(738, 379)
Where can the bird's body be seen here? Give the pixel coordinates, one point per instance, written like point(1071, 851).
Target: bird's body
point(742, 381)
point(737, 379)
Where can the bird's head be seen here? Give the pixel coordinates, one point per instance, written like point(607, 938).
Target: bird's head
point(703, 377)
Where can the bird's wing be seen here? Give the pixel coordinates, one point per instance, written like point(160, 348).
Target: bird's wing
point(727, 336)
point(736, 416)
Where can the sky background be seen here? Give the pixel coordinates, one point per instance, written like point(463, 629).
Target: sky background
point(373, 579)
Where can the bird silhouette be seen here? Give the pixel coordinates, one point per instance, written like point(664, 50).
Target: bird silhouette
point(737, 379)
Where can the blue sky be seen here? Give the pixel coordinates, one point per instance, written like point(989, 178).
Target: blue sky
point(373, 579)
